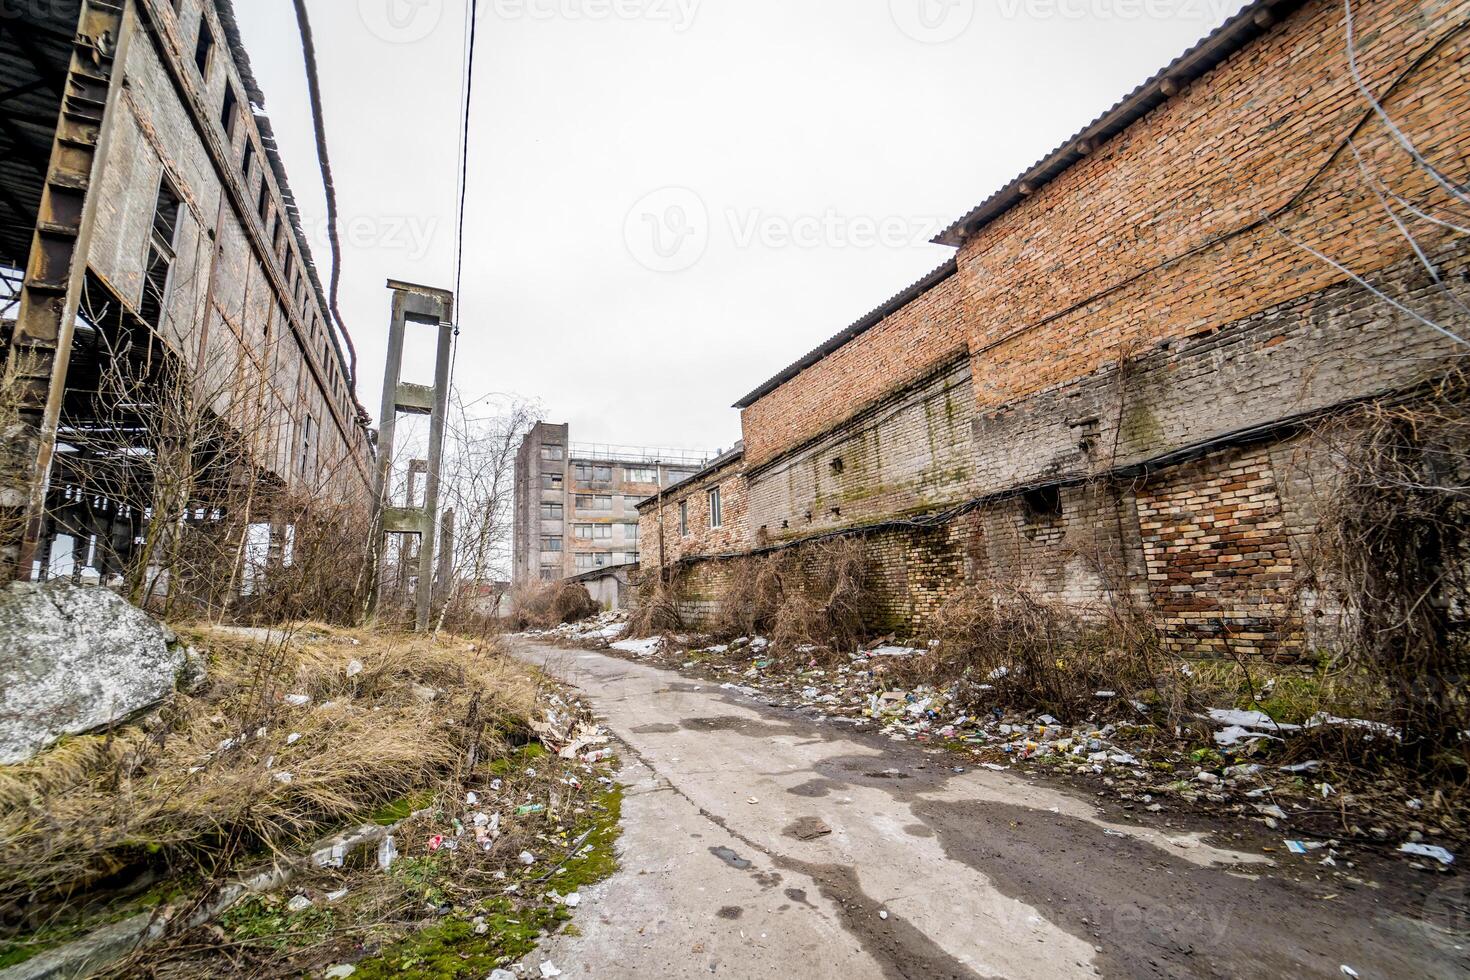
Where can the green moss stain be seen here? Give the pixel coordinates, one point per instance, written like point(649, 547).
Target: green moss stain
point(264, 920)
point(452, 949)
point(401, 809)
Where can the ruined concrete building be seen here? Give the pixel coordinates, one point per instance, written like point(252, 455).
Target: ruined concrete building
point(1114, 387)
point(576, 506)
point(147, 231)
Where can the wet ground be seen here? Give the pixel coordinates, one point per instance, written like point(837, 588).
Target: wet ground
point(761, 843)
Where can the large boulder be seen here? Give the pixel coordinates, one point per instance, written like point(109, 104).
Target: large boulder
point(76, 659)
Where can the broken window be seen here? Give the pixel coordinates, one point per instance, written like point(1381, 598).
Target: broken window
point(248, 160)
point(1042, 503)
point(308, 438)
point(161, 240)
point(229, 112)
point(553, 453)
point(716, 515)
point(263, 205)
point(548, 573)
point(204, 48)
point(550, 481)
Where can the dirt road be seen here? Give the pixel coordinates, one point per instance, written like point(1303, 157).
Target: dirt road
point(762, 843)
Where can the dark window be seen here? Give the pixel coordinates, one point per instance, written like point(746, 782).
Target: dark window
point(248, 160)
point(1043, 503)
point(204, 47)
point(229, 112)
point(683, 517)
point(308, 435)
point(551, 481)
point(161, 239)
point(263, 205)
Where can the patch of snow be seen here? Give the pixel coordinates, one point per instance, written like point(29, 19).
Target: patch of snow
point(641, 648)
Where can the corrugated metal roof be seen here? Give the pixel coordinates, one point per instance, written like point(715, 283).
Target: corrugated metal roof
point(1252, 21)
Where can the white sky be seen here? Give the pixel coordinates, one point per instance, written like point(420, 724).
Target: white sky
point(814, 146)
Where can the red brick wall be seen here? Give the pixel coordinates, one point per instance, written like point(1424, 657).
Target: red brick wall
point(733, 534)
point(1220, 568)
point(901, 348)
point(1240, 143)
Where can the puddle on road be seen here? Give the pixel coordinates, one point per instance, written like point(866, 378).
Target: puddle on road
point(663, 729)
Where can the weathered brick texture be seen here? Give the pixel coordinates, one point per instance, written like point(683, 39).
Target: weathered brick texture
point(905, 346)
point(701, 539)
point(1145, 240)
point(1148, 349)
point(910, 452)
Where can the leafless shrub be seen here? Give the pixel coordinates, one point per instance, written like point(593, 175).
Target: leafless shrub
point(1393, 547)
point(1002, 644)
point(659, 605)
point(542, 605)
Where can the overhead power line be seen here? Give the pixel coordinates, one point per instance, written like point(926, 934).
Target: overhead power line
point(318, 121)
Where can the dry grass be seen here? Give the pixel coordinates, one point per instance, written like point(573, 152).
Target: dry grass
point(197, 786)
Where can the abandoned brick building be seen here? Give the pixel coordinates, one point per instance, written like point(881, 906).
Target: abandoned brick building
point(1111, 388)
point(147, 219)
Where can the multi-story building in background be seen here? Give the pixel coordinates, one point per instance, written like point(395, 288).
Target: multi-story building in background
point(576, 506)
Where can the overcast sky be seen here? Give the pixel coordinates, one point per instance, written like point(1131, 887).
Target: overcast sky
point(671, 200)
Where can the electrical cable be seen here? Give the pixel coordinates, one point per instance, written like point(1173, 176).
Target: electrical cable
point(466, 101)
point(319, 126)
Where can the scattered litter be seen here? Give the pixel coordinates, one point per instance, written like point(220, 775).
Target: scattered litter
point(502, 975)
point(883, 915)
point(1300, 767)
point(298, 903)
point(1303, 847)
point(354, 668)
point(298, 700)
point(337, 895)
point(292, 739)
point(549, 970)
point(530, 808)
point(387, 853)
point(572, 900)
point(341, 972)
point(282, 777)
point(527, 858)
point(1348, 971)
point(1429, 851)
